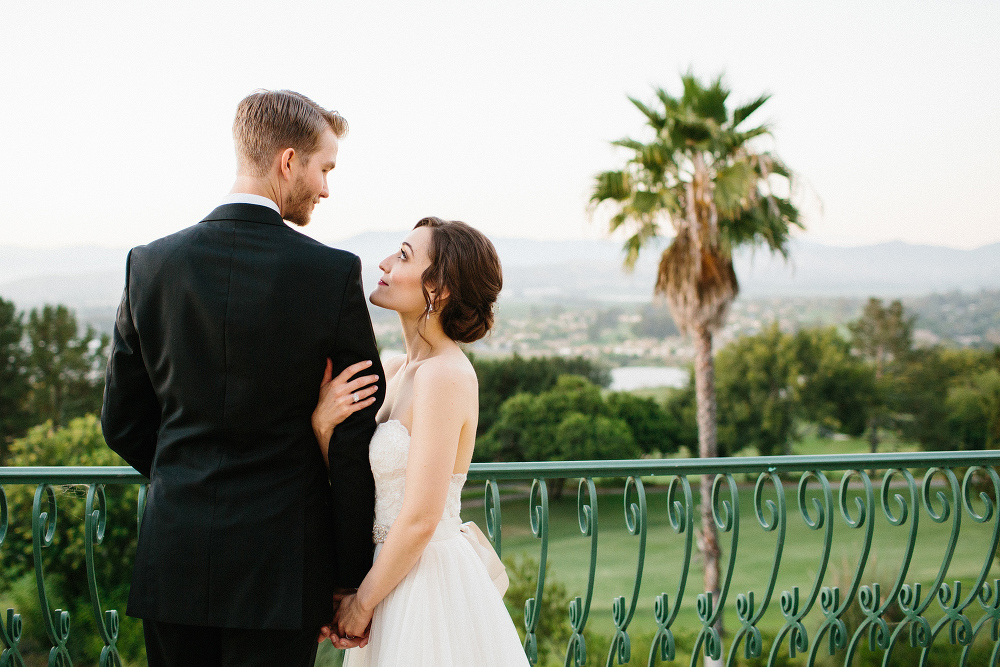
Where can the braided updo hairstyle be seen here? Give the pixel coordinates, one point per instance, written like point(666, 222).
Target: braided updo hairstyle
point(465, 264)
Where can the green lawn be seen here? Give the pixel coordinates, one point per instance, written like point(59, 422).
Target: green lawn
point(569, 553)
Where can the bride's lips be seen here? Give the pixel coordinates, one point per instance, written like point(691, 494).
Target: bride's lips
point(382, 282)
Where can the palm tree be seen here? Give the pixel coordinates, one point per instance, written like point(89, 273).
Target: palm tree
point(703, 174)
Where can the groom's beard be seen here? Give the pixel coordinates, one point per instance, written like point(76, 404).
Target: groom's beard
point(298, 211)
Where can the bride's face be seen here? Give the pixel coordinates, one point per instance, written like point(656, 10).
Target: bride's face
point(399, 287)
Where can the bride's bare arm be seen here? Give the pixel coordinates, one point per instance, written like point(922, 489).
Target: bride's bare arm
point(444, 399)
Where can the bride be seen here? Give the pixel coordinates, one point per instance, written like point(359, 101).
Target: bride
point(429, 598)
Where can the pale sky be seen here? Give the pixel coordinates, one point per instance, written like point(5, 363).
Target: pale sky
point(115, 116)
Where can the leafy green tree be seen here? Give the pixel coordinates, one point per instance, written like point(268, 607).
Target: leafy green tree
point(949, 399)
point(757, 383)
point(14, 418)
point(66, 369)
point(500, 379)
point(587, 437)
point(884, 336)
point(770, 382)
point(653, 428)
point(974, 410)
point(702, 173)
point(837, 389)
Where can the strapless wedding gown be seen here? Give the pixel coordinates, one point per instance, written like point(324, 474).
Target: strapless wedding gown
point(446, 612)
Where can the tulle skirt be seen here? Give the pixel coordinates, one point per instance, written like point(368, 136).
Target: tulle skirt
point(445, 613)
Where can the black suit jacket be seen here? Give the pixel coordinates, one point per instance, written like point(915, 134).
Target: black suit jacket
point(220, 344)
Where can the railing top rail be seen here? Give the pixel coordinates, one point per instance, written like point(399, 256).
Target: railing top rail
point(70, 475)
point(730, 464)
point(550, 469)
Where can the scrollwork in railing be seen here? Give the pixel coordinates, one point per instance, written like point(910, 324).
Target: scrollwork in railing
point(832, 604)
point(538, 510)
point(873, 604)
point(792, 608)
point(681, 517)
point(912, 601)
point(43, 531)
point(10, 632)
point(491, 505)
point(709, 609)
point(635, 522)
point(989, 598)
point(748, 613)
point(107, 622)
point(579, 608)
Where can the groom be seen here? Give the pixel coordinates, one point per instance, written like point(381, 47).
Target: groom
point(220, 346)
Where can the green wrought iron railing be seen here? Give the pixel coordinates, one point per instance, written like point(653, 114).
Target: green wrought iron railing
point(867, 497)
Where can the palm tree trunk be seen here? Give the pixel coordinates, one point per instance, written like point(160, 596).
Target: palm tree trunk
point(708, 543)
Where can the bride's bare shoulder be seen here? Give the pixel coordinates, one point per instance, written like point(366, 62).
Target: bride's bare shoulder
point(447, 371)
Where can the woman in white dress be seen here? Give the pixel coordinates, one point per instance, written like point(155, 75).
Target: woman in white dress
point(429, 599)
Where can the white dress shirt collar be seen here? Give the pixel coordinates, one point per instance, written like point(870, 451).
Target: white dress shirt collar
point(246, 198)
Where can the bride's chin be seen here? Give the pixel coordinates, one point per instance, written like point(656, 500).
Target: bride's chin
point(375, 299)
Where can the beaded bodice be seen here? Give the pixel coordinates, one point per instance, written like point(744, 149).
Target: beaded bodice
point(388, 453)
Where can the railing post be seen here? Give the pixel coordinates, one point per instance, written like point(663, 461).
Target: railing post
point(10, 633)
point(538, 509)
point(107, 622)
point(579, 608)
point(43, 530)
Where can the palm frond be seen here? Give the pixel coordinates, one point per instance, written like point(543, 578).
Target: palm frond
point(669, 102)
point(691, 130)
point(615, 185)
point(647, 230)
point(735, 186)
point(740, 114)
point(654, 117)
point(630, 144)
point(645, 202)
point(776, 165)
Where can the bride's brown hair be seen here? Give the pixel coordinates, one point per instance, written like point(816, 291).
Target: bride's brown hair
point(465, 264)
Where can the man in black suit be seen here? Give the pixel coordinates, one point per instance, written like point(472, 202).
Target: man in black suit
point(220, 345)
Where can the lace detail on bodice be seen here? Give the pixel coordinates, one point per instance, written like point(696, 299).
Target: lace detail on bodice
point(388, 454)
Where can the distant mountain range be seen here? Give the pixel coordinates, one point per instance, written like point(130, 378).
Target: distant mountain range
point(91, 278)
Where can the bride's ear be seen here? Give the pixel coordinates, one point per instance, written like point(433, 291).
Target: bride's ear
point(443, 292)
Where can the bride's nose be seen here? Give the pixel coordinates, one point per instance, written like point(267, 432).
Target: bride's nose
point(386, 264)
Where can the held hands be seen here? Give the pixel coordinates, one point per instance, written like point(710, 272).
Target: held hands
point(334, 634)
point(352, 620)
point(339, 398)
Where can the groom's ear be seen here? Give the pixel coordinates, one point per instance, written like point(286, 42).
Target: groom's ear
point(285, 163)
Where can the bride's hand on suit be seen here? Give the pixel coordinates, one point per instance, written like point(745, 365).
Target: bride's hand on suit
point(339, 398)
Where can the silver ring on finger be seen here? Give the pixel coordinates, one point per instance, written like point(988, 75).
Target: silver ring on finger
point(356, 399)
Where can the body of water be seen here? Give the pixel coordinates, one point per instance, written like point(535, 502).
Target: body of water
point(628, 378)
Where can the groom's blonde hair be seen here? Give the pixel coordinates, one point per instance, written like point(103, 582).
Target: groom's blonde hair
point(270, 121)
